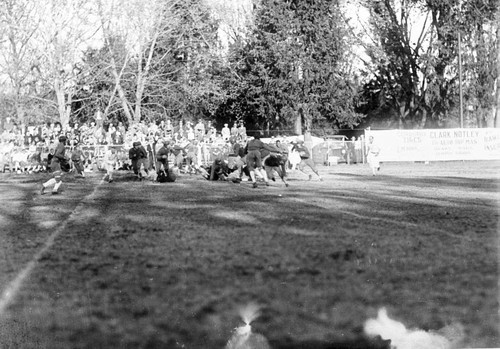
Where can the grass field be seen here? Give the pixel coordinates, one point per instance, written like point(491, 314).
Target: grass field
point(146, 265)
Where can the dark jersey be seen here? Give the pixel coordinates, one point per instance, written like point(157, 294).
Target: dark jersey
point(137, 153)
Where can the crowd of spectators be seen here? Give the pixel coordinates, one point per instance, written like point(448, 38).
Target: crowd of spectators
point(29, 148)
point(192, 144)
point(96, 133)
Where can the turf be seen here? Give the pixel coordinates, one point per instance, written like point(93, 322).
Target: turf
point(149, 265)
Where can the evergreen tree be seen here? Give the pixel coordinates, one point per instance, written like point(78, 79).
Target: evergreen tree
point(291, 71)
point(415, 77)
point(187, 63)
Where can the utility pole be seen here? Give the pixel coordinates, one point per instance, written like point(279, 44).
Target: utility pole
point(460, 79)
point(460, 88)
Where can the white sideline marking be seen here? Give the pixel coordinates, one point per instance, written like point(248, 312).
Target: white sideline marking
point(14, 286)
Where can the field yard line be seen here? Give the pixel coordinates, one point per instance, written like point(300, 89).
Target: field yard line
point(15, 285)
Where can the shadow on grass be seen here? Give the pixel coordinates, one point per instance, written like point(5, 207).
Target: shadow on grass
point(235, 241)
point(311, 344)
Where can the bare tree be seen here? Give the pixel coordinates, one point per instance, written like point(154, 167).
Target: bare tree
point(18, 26)
point(166, 66)
point(66, 31)
point(140, 25)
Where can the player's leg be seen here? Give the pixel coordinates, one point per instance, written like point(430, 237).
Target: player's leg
point(47, 184)
point(281, 173)
point(109, 172)
point(57, 185)
point(301, 167)
point(310, 163)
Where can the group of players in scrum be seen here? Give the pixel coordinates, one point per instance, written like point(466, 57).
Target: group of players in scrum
point(260, 160)
point(256, 160)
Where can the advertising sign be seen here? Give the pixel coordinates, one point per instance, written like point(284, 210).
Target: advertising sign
point(437, 144)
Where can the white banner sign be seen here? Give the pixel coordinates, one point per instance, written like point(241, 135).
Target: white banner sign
point(437, 144)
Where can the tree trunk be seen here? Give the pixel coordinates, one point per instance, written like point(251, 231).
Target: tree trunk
point(423, 121)
point(61, 101)
point(114, 70)
point(141, 78)
point(20, 114)
point(306, 117)
point(402, 115)
point(67, 113)
point(63, 104)
point(138, 94)
point(493, 116)
point(298, 123)
point(119, 89)
point(497, 115)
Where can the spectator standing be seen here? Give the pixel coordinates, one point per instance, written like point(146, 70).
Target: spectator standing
point(110, 159)
point(169, 130)
point(242, 132)
point(190, 132)
point(234, 131)
point(58, 131)
point(205, 153)
point(99, 119)
point(358, 150)
point(351, 153)
point(180, 129)
point(210, 134)
point(199, 129)
point(121, 128)
point(8, 124)
point(112, 131)
point(152, 129)
point(372, 155)
point(50, 132)
point(119, 137)
point(208, 129)
point(149, 149)
point(76, 133)
point(161, 127)
point(83, 132)
point(225, 132)
point(45, 133)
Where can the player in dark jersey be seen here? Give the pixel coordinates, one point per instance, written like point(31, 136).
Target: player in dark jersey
point(254, 158)
point(57, 164)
